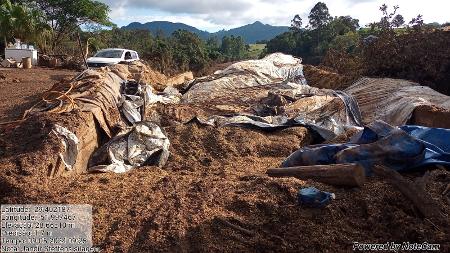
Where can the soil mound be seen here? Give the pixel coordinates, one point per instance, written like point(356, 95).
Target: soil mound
point(324, 79)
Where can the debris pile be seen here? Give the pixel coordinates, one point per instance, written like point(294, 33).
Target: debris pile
point(11, 63)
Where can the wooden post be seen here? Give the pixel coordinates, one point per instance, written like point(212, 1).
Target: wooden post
point(81, 49)
point(349, 174)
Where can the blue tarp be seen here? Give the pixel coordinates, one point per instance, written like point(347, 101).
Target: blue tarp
point(312, 197)
point(403, 149)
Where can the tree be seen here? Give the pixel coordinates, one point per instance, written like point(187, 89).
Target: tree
point(213, 42)
point(285, 43)
point(417, 22)
point(189, 50)
point(21, 21)
point(7, 20)
point(389, 21)
point(346, 42)
point(233, 48)
point(398, 21)
point(319, 16)
point(296, 23)
point(213, 48)
point(65, 17)
point(342, 25)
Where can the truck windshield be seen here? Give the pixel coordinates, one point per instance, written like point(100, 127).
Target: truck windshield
point(110, 54)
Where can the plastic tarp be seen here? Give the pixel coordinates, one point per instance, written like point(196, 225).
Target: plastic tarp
point(271, 69)
point(100, 91)
point(402, 149)
point(271, 93)
point(393, 100)
point(91, 91)
point(313, 197)
point(70, 145)
point(143, 144)
point(327, 112)
point(137, 97)
point(107, 94)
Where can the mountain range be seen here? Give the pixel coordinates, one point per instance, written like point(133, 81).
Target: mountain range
point(251, 33)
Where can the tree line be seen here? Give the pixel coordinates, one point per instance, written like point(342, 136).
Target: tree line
point(323, 32)
point(181, 51)
point(389, 47)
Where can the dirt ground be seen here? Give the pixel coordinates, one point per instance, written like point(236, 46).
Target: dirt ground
point(213, 195)
point(319, 77)
point(21, 87)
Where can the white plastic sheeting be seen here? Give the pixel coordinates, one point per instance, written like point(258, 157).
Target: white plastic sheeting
point(271, 69)
point(393, 100)
point(131, 108)
point(70, 145)
point(132, 105)
point(270, 93)
point(170, 95)
point(143, 144)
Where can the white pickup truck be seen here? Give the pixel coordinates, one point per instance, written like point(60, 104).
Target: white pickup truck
point(111, 56)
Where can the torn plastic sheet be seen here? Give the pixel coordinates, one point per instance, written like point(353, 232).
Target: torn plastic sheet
point(401, 149)
point(131, 108)
point(170, 95)
point(351, 107)
point(136, 96)
point(275, 122)
point(250, 120)
point(143, 144)
point(326, 112)
point(70, 144)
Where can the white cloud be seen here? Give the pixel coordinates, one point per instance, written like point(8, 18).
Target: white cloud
point(213, 15)
point(185, 6)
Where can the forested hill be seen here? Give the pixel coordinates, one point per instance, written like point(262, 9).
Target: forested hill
point(250, 33)
point(167, 28)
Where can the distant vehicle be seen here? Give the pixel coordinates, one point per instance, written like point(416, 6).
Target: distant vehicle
point(111, 56)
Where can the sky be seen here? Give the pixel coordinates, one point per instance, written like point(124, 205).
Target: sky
point(214, 15)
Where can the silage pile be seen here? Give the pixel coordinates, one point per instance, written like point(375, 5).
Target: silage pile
point(213, 194)
point(141, 72)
